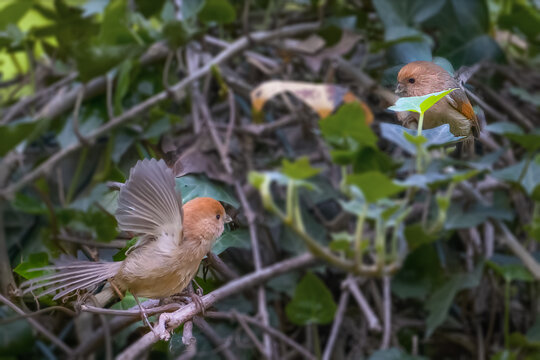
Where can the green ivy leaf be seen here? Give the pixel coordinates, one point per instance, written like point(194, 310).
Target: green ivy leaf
point(122, 86)
point(299, 169)
point(440, 301)
point(510, 268)
point(127, 302)
point(12, 13)
point(420, 273)
point(312, 302)
point(237, 239)
point(219, 11)
point(374, 185)
point(405, 138)
point(348, 123)
point(15, 133)
point(463, 216)
point(28, 204)
point(419, 104)
point(34, 261)
point(193, 186)
point(528, 178)
point(121, 254)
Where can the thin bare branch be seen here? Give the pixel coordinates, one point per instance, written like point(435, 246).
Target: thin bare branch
point(336, 325)
point(36, 325)
point(372, 320)
point(222, 346)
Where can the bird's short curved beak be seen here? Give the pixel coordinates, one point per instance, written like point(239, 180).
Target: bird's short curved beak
point(400, 89)
point(228, 219)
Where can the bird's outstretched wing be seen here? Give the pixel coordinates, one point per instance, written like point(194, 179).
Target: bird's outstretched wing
point(148, 203)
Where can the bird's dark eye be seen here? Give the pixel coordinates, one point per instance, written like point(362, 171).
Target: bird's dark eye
point(218, 216)
point(411, 80)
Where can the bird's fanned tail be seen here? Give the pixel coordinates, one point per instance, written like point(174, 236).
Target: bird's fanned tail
point(71, 276)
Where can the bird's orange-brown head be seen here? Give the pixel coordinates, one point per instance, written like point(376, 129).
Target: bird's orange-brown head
point(204, 219)
point(423, 77)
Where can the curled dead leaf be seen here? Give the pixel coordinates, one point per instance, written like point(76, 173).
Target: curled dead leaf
point(322, 98)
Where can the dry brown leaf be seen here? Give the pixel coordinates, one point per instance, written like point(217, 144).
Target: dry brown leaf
point(322, 98)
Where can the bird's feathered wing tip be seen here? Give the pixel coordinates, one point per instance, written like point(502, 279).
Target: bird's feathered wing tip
point(148, 203)
point(70, 276)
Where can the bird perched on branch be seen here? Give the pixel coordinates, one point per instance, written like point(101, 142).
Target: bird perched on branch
point(172, 241)
point(423, 77)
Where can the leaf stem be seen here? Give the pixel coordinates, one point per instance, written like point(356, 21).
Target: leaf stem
point(359, 234)
point(420, 124)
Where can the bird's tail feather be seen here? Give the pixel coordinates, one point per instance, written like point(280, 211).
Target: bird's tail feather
point(71, 276)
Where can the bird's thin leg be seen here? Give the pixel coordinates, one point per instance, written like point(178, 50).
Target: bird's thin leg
point(116, 290)
point(199, 290)
point(196, 296)
point(143, 313)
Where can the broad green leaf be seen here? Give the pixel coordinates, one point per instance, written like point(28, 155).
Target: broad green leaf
point(524, 17)
point(511, 272)
point(463, 216)
point(402, 13)
point(348, 123)
point(342, 242)
point(285, 283)
point(84, 202)
point(121, 254)
point(89, 120)
point(510, 268)
point(312, 302)
point(374, 185)
point(193, 186)
point(149, 8)
point(237, 239)
point(440, 301)
point(299, 169)
point(416, 236)
point(176, 33)
point(524, 95)
point(28, 204)
point(420, 273)
point(122, 84)
point(401, 136)
point(15, 133)
point(115, 24)
point(504, 128)
point(96, 59)
point(34, 261)
point(191, 8)
point(127, 302)
point(530, 141)
point(218, 11)
point(526, 174)
point(11, 13)
point(419, 104)
point(93, 7)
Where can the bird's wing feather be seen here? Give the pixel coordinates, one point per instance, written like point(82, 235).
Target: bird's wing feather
point(459, 101)
point(148, 203)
